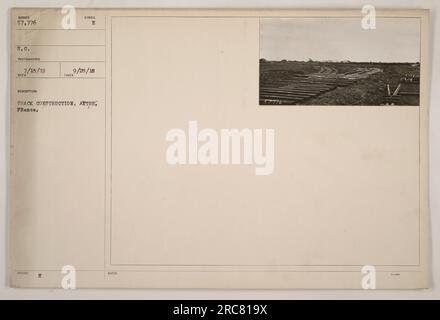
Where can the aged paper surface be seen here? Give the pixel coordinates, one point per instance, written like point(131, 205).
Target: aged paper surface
point(125, 171)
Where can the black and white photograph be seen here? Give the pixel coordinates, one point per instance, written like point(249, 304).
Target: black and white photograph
point(335, 61)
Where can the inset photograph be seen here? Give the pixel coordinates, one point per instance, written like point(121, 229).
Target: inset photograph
point(335, 61)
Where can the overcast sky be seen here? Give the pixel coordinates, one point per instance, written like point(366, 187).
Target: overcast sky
point(393, 40)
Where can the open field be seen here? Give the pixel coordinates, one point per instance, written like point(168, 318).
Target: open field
point(338, 83)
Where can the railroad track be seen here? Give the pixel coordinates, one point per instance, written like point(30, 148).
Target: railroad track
point(297, 89)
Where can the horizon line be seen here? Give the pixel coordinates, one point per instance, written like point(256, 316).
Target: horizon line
point(343, 61)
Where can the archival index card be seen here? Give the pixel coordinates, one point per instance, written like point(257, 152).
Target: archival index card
point(219, 148)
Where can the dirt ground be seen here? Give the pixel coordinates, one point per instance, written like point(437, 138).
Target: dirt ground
point(369, 89)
